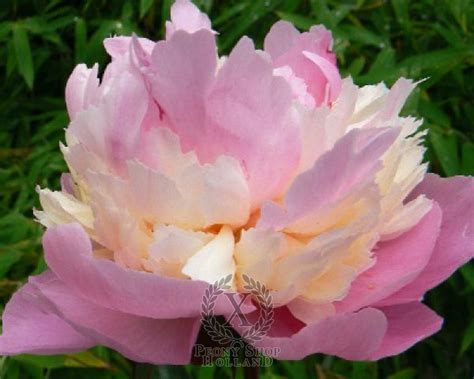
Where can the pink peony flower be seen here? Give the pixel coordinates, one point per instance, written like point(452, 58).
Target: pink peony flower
point(186, 167)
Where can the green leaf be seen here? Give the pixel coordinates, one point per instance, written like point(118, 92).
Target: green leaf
point(23, 54)
point(445, 147)
point(165, 11)
point(367, 370)
point(361, 35)
point(80, 40)
point(11, 58)
point(301, 22)
point(145, 6)
point(356, 66)
point(85, 359)
point(7, 259)
point(48, 361)
point(437, 59)
point(433, 112)
point(467, 160)
point(467, 272)
point(5, 28)
point(408, 373)
point(402, 14)
point(468, 339)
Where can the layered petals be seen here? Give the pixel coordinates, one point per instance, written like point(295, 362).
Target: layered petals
point(241, 112)
point(68, 252)
point(166, 341)
point(318, 187)
point(31, 326)
point(391, 271)
point(455, 244)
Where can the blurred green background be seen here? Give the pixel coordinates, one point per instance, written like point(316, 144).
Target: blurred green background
point(375, 40)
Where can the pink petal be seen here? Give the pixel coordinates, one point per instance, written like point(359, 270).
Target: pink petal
point(248, 110)
point(455, 244)
point(185, 67)
point(68, 253)
point(31, 326)
point(407, 324)
point(319, 71)
point(67, 183)
point(243, 112)
point(352, 161)
point(138, 338)
point(82, 89)
point(331, 73)
point(112, 131)
point(354, 336)
point(398, 262)
point(186, 16)
point(117, 46)
point(396, 98)
point(280, 39)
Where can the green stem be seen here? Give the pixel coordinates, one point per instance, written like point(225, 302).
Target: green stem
point(142, 370)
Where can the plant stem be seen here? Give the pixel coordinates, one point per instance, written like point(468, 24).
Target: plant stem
point(142, 370)
point(252, 372)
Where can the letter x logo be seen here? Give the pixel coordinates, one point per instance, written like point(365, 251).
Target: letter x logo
point(237, 309)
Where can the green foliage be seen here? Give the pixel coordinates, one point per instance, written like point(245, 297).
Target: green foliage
point(375, 40)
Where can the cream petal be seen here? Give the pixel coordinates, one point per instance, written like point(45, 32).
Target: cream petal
point(215, 260)
point(63, 208)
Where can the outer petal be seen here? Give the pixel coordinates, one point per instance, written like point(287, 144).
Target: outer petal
point(68, 253)
point(354, 336)
point(455, 244)
point(398, 262)
point(30, 326)
point(139, 338)
point(407, 324)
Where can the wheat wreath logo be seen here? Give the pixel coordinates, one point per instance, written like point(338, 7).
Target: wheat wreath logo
point(221, 332)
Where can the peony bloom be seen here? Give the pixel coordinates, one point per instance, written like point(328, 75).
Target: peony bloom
point(186, 167)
